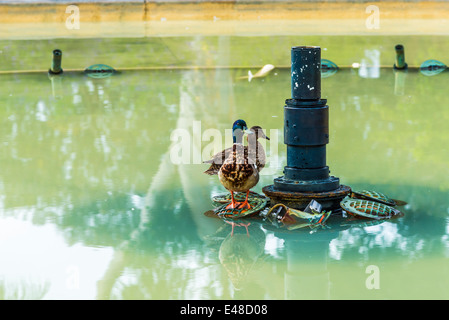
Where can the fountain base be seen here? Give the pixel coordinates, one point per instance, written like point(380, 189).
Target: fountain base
point(330, 200)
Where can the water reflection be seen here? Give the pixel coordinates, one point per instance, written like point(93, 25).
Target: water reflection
point(164, 220)
point(23, 290)
point(240, 248)
point(56, 85)
point(400, 77)
point(307, 275)
point(92, 159)
point(370, 64)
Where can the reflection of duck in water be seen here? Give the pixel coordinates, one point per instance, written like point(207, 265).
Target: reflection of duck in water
point(238, 167)
point(238, 252)
point(241, 224)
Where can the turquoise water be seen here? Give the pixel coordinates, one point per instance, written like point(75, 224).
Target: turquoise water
point(94, 205)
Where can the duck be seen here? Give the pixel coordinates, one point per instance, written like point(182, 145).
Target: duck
point(254, 147)
point(239, 171)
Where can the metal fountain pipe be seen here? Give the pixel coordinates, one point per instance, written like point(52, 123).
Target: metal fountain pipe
point(306, 125)
point(400, 57)
point(306, 71)
point(306, 130)
point(306, 133)
point(56, 62)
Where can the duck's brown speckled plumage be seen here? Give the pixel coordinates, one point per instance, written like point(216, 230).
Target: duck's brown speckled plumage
point(237, 172)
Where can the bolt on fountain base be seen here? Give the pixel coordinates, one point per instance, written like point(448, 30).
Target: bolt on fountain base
point(329, 200)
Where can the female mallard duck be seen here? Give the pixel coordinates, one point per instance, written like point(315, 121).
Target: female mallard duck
point(254, 150)
point(239, 171)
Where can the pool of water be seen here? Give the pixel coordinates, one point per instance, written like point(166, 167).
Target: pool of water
point(95, 202)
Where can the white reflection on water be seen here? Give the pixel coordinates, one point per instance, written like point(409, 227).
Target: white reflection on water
point(36, 263)
point(41, 112)
point(370, 64)
point(384, 235)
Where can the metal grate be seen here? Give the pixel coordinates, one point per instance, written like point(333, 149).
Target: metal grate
point(256, 201)
point(368, 209)
point(375, 196)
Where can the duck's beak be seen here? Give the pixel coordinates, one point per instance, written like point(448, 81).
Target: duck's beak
point(247, 131)
point(264, 136)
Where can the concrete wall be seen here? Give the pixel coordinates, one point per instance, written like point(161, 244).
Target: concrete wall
point(150, 18)
point(52, 11)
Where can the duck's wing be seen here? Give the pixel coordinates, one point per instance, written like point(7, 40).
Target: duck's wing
point(220, 157)
point(217, 160)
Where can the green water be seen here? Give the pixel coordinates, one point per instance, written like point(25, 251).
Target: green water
point(92, 205)
point(213, 50)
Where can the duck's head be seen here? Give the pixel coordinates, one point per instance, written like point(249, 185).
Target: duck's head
point(238, 129)
point(258, 132)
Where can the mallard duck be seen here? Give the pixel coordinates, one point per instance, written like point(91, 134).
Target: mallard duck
point(254, 150)
point(238, 173)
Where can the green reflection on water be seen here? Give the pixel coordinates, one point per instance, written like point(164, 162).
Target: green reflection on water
point(92, 158)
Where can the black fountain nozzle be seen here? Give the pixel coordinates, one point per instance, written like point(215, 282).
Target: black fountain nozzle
point(56, 62)
point(306, 73)
point(400, 63)
point(306, 133)
point(306, 126)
